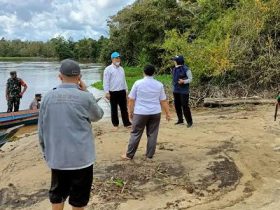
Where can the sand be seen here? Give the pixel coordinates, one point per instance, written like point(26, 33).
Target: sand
point(228, 160)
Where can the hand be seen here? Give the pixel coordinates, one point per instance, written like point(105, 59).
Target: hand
point(83, 86)
point(21, 94)
point(181, 82)
point(168, 117)
point(130, 116)
point(7, 97)
point(108, 96)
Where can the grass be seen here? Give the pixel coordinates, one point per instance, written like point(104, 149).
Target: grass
point(135, 73)
point(26, 59)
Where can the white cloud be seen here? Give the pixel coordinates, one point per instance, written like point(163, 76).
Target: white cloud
point(44, 19)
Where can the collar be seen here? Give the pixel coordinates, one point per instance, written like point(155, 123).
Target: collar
point(68, 85)
point(148, 77)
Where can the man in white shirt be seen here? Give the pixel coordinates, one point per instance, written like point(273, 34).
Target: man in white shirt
point(115, 87)
point(146, 99)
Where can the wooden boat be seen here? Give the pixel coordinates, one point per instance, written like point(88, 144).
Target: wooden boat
point(25, 117)
point(6, 135)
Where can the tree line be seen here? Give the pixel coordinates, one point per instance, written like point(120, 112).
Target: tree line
point(226, 43)
point(86, 49)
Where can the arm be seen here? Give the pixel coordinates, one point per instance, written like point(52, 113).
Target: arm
point(131, 100)
point(7, 92)
point(25, 87)
point(164, 104)
point(131, 105)
point(165, 108)
point(190, 77)
point(106, 83)
point(40, 128)
point(126, 87)
point(95, 111)
point(276, 110)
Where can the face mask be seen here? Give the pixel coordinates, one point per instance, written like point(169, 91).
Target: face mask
point(117, 63)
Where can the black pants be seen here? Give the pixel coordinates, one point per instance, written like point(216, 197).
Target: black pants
point(13, 104)
point(73, 183)
point(118, 98)
point(182, 106)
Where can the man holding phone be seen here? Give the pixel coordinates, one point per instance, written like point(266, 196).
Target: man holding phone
point(66, 138)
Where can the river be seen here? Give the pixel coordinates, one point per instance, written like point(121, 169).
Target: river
point(42, 77)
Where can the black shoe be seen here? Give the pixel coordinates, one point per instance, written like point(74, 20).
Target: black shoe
point(179, 123)
point(189, 125)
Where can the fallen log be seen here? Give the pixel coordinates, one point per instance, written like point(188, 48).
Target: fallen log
point(215, 102)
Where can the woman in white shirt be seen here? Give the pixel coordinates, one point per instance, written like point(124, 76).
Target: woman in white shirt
point(146, 99)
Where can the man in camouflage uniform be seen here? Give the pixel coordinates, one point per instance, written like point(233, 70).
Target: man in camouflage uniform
point(13, 91)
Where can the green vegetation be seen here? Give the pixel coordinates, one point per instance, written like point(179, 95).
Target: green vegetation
point(232, 44)
point(135, 73)
point(57, 48)
point(26, 59)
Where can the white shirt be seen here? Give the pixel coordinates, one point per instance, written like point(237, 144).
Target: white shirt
point(114, 79)
point(147, 94)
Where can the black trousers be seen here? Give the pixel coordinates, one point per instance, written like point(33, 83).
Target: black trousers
point(118, 98)
point(182, 106)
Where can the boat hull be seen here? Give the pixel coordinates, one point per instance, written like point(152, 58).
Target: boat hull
point(26, 117)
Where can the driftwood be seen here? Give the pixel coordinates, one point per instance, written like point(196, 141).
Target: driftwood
point(214, 102)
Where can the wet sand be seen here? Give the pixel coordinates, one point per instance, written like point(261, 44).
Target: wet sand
point(228, 160)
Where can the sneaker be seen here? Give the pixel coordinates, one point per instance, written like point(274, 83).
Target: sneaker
point(179, 123)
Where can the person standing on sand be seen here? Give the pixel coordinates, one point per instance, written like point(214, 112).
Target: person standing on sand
point(66, 138)
point(115, 87)
point(13, 92)
point(182, 77)
point(146, 98)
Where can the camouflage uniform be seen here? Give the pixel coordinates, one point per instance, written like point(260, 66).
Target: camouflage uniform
point(14, 90)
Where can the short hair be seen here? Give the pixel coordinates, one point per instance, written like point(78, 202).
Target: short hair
point(149, 70)
point(13, 73)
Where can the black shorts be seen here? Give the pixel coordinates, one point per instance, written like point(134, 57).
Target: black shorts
point(73, 183)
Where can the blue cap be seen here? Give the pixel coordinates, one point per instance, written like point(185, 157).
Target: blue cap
point(115, 55)
point(179, 59)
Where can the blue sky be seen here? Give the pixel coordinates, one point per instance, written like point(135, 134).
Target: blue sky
point(45, 19)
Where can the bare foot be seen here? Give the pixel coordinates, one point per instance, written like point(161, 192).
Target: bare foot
point(124, 157)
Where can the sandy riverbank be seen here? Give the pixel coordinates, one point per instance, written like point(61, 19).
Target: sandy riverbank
point(228, 160)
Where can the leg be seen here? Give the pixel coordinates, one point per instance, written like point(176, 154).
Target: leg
point(10, 105)
point(76, 208)
point(178, 107)
point(123, 108)
point(16, 104)
point(58, 206)
point(138, 126)
point(81, 182)
point(114, 108)
point(152, 134)
point(186, 108)
point(60, 188)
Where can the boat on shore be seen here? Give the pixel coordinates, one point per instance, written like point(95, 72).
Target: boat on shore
point(6, 135)
point(25, 117)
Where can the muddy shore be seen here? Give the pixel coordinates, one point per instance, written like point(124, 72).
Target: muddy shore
point(229, 160)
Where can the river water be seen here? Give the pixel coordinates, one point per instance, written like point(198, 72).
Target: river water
point(42, 77)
